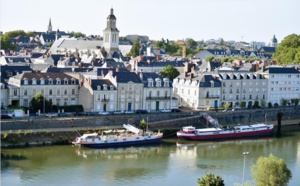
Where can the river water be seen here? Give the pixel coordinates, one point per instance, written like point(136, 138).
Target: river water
point(171, 163)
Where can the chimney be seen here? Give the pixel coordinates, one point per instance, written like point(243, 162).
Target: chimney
point(142, 58)
point(117, 69)
point(148, 61)
point(192, 75)
point(240, 62)
point(257, 67)
point(158, 58)
point(90, 81)
point(185, 74)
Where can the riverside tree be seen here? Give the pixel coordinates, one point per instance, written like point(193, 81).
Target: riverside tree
point(37, 103)
point(270, 171)
point(209, 179)
point(288, 51)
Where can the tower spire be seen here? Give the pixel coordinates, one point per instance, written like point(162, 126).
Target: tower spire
point(50, 26)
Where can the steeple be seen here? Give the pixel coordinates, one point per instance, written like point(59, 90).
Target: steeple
point(111, 35)
point(49, 26)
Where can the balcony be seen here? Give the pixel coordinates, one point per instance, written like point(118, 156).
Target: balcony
point(158, 98)
point(212, 96)
point(105, 100)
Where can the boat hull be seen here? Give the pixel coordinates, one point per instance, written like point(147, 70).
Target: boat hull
point(263, 133)
point(122, 143)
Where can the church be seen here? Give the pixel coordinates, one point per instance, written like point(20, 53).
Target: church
point(106, 48)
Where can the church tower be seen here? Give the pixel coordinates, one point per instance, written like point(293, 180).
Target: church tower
point(111, 35)
point(273, 42)
point(49, 26)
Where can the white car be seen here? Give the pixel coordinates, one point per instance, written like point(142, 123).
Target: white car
point(103, 112)
point(118, 112)
point(165, 110)
point(129, 112)
point(52, 114)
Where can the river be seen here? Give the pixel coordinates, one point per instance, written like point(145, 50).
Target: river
point(172, 162)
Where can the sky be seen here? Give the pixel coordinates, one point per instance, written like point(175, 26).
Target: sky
point(239, 20)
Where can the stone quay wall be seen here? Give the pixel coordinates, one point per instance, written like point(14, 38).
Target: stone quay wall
point(155, 120)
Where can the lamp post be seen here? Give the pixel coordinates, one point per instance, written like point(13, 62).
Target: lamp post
point(245, 154)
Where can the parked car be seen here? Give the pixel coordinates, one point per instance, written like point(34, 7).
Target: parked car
point(63, 114)
point(5, 116)
point(165, 110)
point(91, 113)
point(129, 112)
point(175, 110)
point(52, 114)
point(141, 111)
point(79, 114)
point(118, 112)
point(103, 112)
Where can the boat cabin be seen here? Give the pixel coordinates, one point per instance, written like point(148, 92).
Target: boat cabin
point(189, 129)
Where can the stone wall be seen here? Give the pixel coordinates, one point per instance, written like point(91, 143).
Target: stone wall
point(156, 120)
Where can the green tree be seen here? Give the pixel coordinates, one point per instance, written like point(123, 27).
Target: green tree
point(256, 104)
point(270, 171)
point(5, 39)
point(209, 179)
point(227, 105)
point(170, 72)
point(37, 103)
point(263, 103)
point(283, 102)
point(143, 125)
point(192, 43)
point(76, 34)
point(270, 105)
point(210, 58)
point(288, 51)
point(135, 49)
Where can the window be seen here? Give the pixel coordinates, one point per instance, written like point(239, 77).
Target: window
point(150, 94)
point(42, 81)
point(65, 81)
point(166, 94)
point(25, 81)
point(15, 92)
point(157, 93)
point(73, 91)
point(73, 81)
point(25, 103)
point(34, 81)
point(25, 92)
point(237, 97)
point(34, 92)
point(58, 81)
point(224, 84)
point(66, 91)
point(50, 92)
point(250, 96)
point(50, 82)
point(111, 87)
point(65, 101)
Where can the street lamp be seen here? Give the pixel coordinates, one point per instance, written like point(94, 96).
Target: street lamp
point(245, 154)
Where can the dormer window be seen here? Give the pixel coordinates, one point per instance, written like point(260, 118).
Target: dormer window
point(150, 82)
point(111, 87)
point(73, 81)
point(25, 81)
point(65, 81)
point(42, 81)
point(158, 82)
point(98, 87)
point(166, 82)
point(34, 81)
point(58, 82)
point(50, 81)
point(104, 87)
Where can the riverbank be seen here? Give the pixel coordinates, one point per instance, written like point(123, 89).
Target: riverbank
point(64, 136)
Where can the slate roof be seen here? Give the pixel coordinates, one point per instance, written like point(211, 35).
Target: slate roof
point(101, 82)
point(13, 59)
point(58, 70)
point(111, 63)
point(282, 70)
point(48, 37)
point(8, 71)
point(161, 64)
point(104, 71)
point(207, 81)
point(268, 49)
point(56, 58)
point(125, 77)
point(82, 69)
point(36, 55)
point(146, 75)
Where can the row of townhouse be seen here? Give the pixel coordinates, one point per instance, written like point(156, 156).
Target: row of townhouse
point(113, 90)
point(205, 90)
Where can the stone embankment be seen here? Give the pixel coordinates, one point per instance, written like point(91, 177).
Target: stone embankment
point(63, 130)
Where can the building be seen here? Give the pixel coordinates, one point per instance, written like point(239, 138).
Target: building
point(157, 92)
point(247, 87)
point(283, 83)
point(59, 88)
point(198, 91)
point(97, 95)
